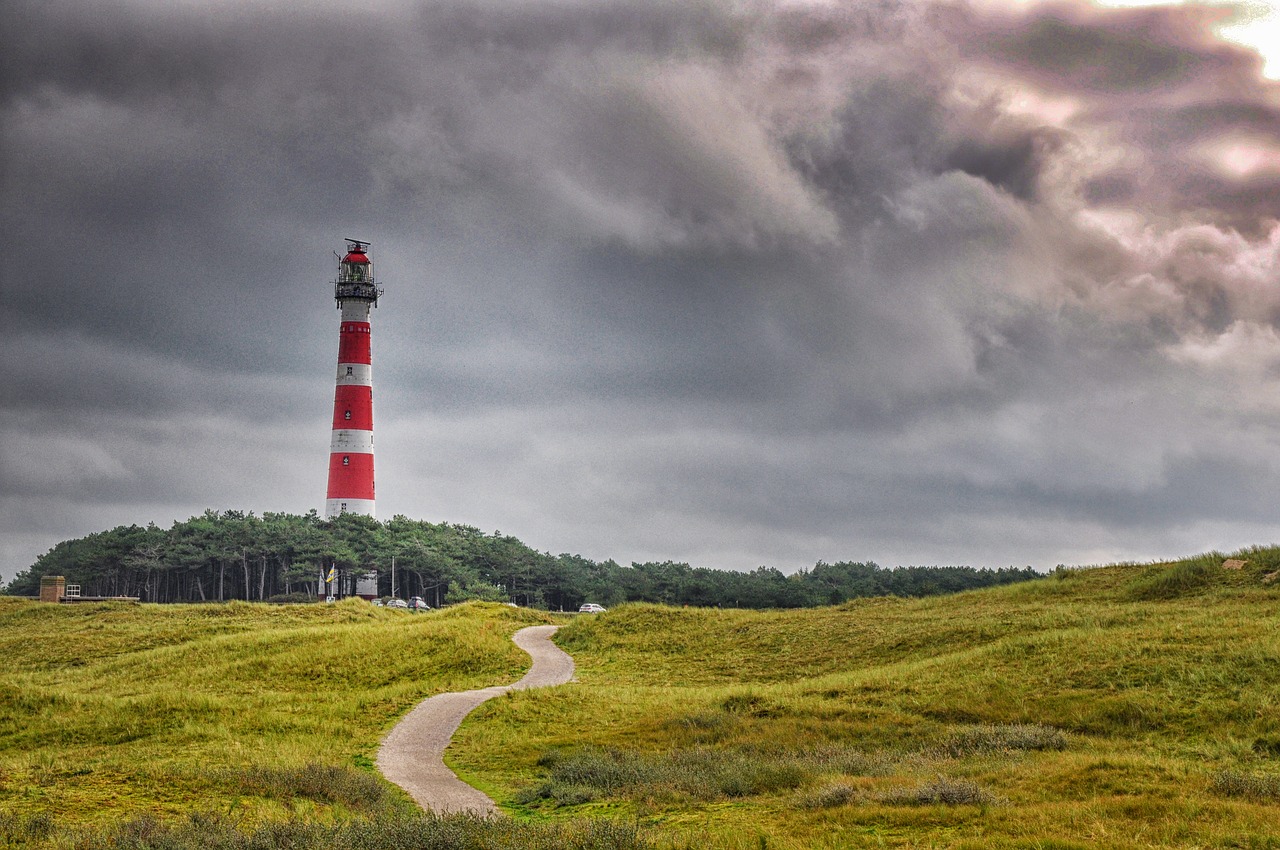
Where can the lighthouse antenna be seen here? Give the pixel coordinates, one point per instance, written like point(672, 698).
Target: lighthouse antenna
point(358, 246)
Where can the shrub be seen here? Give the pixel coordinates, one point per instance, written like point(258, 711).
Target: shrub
point(941, 791)
point(1263, 789)
point(320, 782)
point(420, 832)
point(297, 597)
point(984, 739)
point(829, 797)
point(18, 831)
point(846, 760)
point(586, 774)
point(700, 773)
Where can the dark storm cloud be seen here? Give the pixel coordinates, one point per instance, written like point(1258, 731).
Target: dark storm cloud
point(1121, 53)
point(1156, 78)
point(734, 284)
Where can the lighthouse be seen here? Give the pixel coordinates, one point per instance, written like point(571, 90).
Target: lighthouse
point(351, 446)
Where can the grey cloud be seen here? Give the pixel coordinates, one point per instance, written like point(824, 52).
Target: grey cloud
point(1127, 53)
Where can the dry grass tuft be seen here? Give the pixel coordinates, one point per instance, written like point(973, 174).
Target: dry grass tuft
point(941, 791)
point(994, 739)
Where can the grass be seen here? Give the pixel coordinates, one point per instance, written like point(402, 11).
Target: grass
point(260, 712)
point(1127, 706)
point(419, 832)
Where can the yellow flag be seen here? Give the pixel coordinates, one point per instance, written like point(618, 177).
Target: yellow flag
point(333, 571)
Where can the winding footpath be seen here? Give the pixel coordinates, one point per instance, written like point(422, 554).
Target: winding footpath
point(412, 754)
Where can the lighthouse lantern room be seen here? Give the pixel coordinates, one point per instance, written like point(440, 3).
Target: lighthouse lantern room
point(351, 445)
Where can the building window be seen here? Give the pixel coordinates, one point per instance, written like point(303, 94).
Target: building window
point(348, 370)
point(346, 460)
point(347, 415)
point(344, 507)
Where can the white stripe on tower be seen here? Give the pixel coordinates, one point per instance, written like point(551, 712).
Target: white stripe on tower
point(351, 444)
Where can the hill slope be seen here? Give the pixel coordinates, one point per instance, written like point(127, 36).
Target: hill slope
point(108, 711)
point(1119, 707)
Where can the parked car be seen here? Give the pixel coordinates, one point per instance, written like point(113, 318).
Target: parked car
point(417, 603)
point(592, 608)
point(397, 603)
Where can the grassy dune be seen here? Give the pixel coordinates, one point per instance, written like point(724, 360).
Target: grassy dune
point(1131, 706)
point(252, 711)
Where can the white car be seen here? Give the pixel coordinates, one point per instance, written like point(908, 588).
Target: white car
point(417, 603)
point(397, 603)
point(592, 608)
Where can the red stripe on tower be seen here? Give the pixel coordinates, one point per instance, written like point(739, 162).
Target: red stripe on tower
point(351, 445)
point(353, 408)
point(353, 343)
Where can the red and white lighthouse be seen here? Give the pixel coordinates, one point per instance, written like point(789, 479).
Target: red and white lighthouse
point(351, 448)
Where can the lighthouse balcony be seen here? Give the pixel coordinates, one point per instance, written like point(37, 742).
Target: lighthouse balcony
point(367, 291)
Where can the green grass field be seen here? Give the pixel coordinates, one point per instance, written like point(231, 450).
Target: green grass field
point(253, 711)
point(1129, 706)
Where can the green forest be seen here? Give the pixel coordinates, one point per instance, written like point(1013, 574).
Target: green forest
point(283, 557)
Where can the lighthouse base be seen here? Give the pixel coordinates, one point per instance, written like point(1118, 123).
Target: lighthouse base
point(333, 507)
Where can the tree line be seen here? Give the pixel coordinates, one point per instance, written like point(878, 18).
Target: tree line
point(286, 558)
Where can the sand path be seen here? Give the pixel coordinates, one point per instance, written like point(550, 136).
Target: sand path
point(412, 754)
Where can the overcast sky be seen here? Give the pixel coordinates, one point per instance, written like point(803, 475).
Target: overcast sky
point(731, 283)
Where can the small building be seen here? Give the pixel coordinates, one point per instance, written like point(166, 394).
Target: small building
point(52, 588)
point(56, 589)
point(367, 585)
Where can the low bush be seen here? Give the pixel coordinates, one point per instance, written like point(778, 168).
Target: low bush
point(988, 739)
point(295, 598)
point(700, 773)
point(419, 832)
point(19, 831)
point(1259, 788)
point(320, 782)
point(941, 791)
point(829, 797)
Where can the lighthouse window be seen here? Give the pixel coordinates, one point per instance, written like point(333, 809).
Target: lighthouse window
point(347, 415)
point(346, 460)
point(348, 370)
point(344, 507)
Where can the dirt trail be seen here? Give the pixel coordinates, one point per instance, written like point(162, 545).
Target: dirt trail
point(412, 754)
